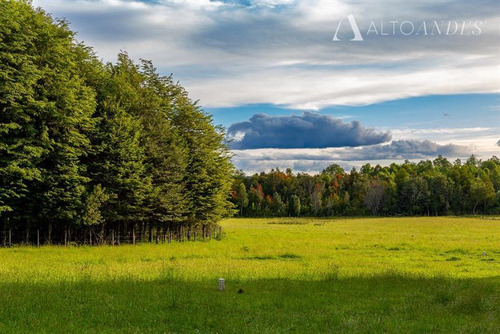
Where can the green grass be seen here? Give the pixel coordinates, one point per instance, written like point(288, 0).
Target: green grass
point(416, 275)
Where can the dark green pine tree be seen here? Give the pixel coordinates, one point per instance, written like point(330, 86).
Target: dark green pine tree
point(116, 160)
point(54, 108)
point(209, 169)
point(20, 149)
point(166, 153)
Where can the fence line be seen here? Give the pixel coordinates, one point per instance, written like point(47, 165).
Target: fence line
point(141, 233)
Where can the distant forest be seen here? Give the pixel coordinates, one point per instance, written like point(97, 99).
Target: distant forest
point(430, 188)
point(94, 152)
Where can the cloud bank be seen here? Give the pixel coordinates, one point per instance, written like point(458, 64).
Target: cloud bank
point(314, 160)
point(229, 53)
point(309, 130)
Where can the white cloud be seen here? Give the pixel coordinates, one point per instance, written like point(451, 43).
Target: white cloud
point(315, 89)
point(280, 51)
point(314, 160)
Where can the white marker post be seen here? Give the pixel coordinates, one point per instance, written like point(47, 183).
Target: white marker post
point(222, 284)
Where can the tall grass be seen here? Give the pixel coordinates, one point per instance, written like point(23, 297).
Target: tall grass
point(411, 275)
point(266, 249)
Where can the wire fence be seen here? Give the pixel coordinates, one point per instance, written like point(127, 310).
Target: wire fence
point(98, 236)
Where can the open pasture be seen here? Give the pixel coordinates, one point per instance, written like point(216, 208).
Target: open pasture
point(298, 275)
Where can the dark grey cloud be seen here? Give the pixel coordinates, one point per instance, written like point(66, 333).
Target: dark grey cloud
point(409, 149)
point(309, 130)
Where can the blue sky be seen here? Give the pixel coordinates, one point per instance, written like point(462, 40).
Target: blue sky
point(431, 111)
point(422, 79)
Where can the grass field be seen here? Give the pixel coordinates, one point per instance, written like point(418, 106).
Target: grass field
point(379, 275)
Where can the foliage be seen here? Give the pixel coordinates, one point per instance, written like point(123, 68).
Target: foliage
point(92, 211)
point(426, 188)
point(84, 143)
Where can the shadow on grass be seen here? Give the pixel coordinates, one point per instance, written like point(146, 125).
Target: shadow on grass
point(384, 304)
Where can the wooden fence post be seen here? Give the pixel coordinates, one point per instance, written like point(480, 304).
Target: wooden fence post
point(222, 284)
point(50, 234)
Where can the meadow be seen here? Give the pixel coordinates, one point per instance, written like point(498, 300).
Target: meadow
point(366, 275)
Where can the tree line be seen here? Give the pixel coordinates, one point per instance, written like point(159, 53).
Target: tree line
point(94, 152)
point(431, 188)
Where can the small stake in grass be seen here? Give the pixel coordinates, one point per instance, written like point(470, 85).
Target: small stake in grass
point(222, 284)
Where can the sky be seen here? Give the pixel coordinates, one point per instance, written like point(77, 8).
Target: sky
point(304, 84)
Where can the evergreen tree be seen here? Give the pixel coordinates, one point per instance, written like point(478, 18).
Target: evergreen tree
point(46, 115)
point(117, 157)
point(166, 152)
point(209, 169)
point(20, 147)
